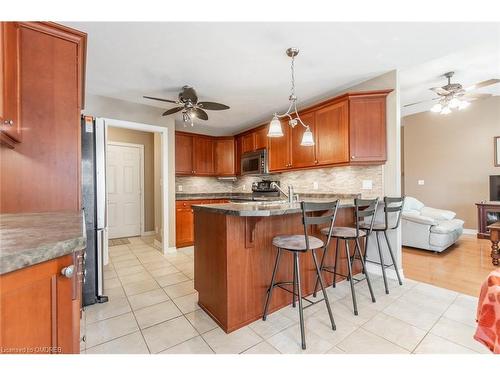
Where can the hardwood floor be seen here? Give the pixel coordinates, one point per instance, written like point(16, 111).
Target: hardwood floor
point(462, 267)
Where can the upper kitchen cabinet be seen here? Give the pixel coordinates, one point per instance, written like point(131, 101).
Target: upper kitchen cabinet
point(44, 169)
point(254, 140)
point(224, 151)
point(367, 127)
point(302, 156)
point(331, 134)
point(183, 154)
point(203, 156)
point(10, 124)
point(279, 150)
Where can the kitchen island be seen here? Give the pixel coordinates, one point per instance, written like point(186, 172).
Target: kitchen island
point(234, 257)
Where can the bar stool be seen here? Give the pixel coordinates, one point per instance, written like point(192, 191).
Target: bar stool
point(391, 205)
point(302, 243)
point(364, 209)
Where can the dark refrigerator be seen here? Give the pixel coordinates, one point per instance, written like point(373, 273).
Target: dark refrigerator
point(93, 170)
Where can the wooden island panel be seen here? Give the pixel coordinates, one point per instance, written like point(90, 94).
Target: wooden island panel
point(234, 260)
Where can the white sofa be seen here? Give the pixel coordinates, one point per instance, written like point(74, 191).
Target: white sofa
point(429, 228)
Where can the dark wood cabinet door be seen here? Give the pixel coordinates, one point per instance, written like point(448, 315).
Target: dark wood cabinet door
point(332, 134)
point(279, 150)
point(183, 154)
point(248, 142)
point(44, 171)
point(37, 309)
point(302, 156)
point(203, 156)
point(184, 226)
point(224, 157)
point(261, 138)
point(367, 129)
point(9, 81)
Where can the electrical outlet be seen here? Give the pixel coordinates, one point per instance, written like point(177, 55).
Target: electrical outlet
point(315, 185)
point(421, 182)
point(367, 185)
point(179, 187)
point(244, 187)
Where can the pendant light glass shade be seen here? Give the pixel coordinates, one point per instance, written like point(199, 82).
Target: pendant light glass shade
point(275, 128)
point(454, 103)
point(307, 138)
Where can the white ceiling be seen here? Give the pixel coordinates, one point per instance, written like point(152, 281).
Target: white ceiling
point(244, 65)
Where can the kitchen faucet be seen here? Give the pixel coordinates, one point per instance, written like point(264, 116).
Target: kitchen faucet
point(290, 195)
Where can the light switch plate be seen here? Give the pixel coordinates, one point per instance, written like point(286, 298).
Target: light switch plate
point(179, 187)
point(315, 185)
point(421, 182)
point(367, 184)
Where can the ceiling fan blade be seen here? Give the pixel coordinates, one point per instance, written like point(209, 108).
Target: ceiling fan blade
point(162, 100)
point(199, 113)
point(474, 96)
point(188, 93)
point(478, 85)
point(172, 110)
point(212, 106)
point(439, 90)
point(422, 101)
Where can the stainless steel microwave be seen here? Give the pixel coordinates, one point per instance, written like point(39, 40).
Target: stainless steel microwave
point(254, 163)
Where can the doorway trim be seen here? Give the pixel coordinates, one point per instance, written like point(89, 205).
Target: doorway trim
point(163, 131)
point(141, 177)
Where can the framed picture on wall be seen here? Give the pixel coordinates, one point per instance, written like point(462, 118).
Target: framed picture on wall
point(496, 141)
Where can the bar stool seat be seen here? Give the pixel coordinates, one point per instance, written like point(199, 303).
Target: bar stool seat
point(343, 232)
point(297, 242)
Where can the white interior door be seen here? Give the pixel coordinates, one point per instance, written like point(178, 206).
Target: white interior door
point(123, 185)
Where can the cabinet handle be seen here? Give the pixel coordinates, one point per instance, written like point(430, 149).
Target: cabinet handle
point(315, 162)
point(8, 122)
point(68, 271)
point(353, 157)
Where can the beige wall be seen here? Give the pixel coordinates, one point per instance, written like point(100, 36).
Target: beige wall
point(453, 154)
point(101, 106)
point(147, 140)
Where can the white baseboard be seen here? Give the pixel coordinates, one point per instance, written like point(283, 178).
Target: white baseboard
point(470, 231)
point(149, 233)
point(390, 273)
point(170, 250)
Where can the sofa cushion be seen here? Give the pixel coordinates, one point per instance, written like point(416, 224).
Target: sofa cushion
point(420, 219)
point(412, 204)
point(437, 214)
point(447, 226)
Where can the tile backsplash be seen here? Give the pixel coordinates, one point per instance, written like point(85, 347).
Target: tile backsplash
point(321, 180)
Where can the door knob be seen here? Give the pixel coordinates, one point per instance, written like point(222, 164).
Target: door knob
point(68, 271)
point(8, 122)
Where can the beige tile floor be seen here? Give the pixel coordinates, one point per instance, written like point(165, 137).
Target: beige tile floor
point(153, 308)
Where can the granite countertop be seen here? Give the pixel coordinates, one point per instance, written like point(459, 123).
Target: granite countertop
point(199, 196)
point(270, 208)
point(28, 239)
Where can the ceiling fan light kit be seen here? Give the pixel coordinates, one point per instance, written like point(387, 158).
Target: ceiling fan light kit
point(189, 105)
point(275, 129)
point(454, 96)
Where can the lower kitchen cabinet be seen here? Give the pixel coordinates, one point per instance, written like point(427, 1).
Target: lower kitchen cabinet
point(41, 308)
point(184, 220)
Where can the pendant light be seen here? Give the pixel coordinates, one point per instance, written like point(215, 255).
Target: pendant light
point(275, 129)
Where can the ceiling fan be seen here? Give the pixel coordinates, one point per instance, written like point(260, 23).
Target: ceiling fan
point(190, 106)
point(454, 95)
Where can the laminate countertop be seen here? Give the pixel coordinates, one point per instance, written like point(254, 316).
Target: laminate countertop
point(28, 239)
point(268, 208)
